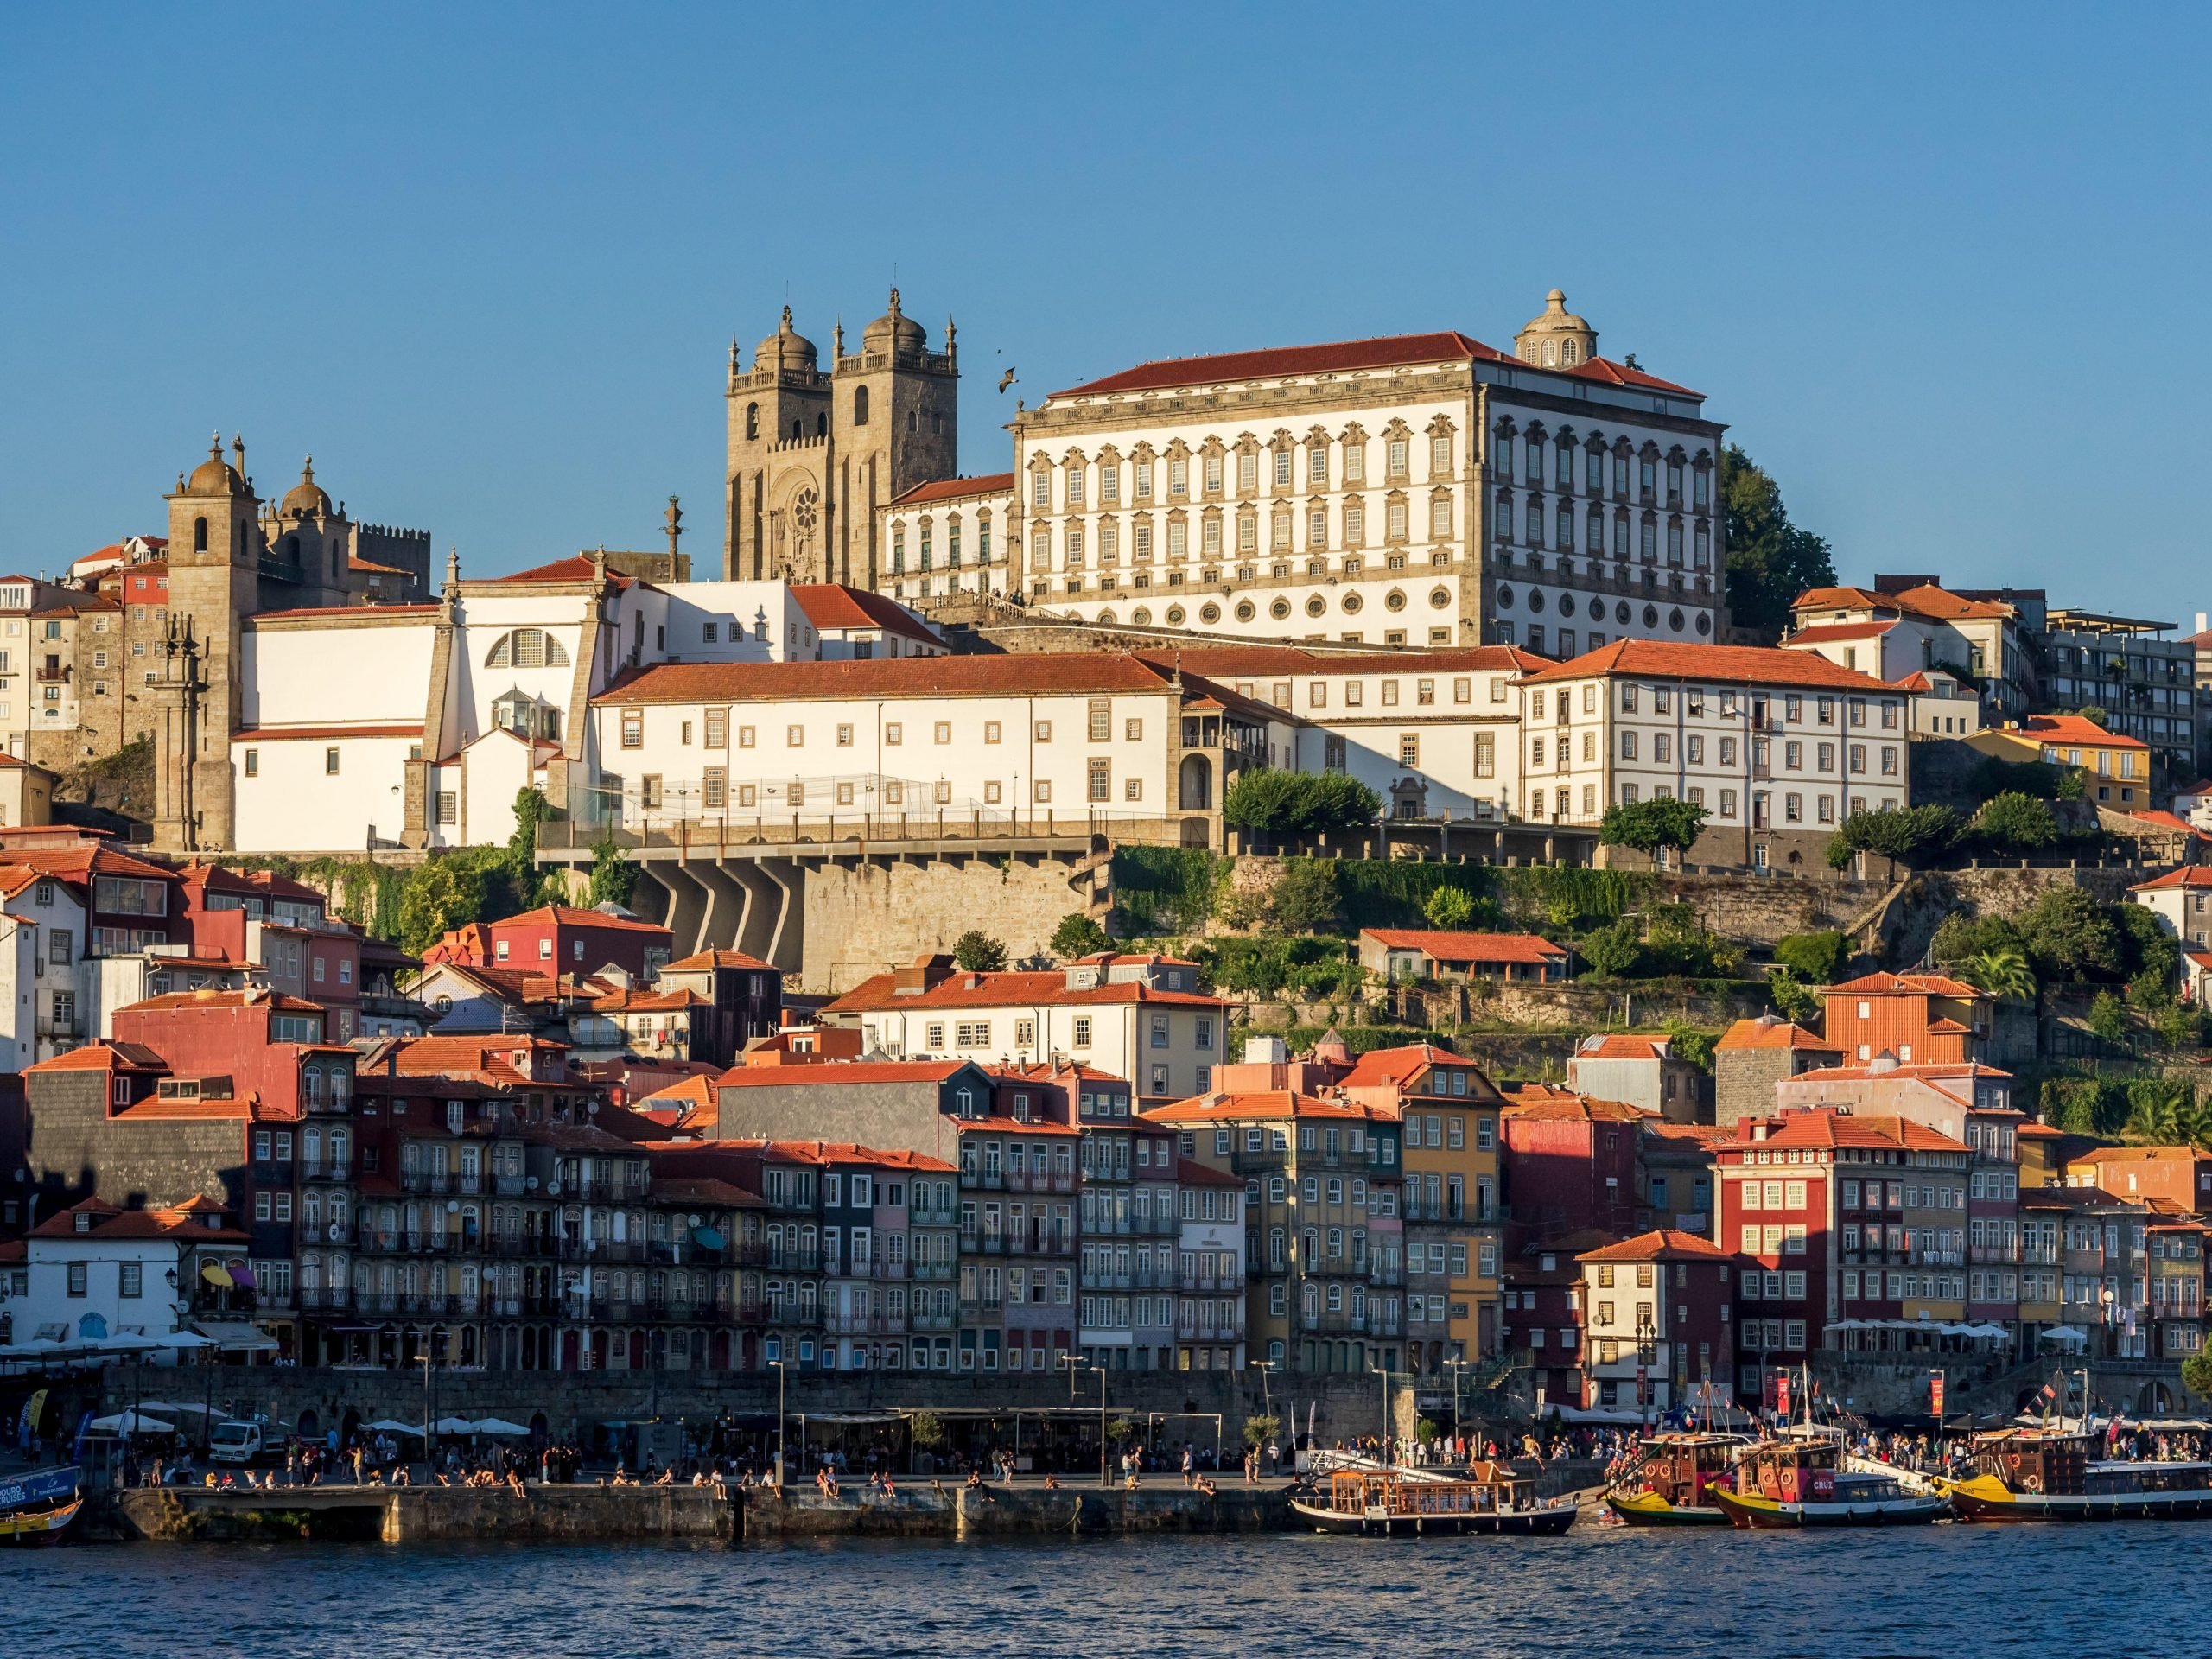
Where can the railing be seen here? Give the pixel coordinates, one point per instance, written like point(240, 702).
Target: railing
point(785, 1259)
point(936, 1270)
point(747, 827)
point(327, 1169)
point(932, 1320)
point(315, 1297)
point(1028, 1181)
point(1332, 1325)
point(1980, 1253)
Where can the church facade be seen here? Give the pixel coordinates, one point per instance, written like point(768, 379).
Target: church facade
point(815, 453)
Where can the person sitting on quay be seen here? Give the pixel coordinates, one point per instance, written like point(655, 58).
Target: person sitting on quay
point(667, 1477)
point(1051, 1483)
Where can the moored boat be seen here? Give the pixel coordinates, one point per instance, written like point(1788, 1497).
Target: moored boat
point(1673, 1484)
point(1797, 1482)
point(1377, 1500)
point(38, 1507)
point(2036, 1474)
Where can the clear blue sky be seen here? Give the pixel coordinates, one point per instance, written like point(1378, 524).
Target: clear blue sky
point(1942, 270)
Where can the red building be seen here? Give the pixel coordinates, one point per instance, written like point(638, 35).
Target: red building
point(559, 939)
point(1659, 1312)
point(1915, 1018)
point(1543, 1316)
point(282, 926)
point(1569, 1164)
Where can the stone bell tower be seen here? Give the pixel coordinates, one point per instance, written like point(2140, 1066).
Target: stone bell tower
point(216, 552)
point(180, 700)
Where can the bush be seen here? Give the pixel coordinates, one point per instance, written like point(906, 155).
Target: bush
point(1258, 1430)
point(1690, 1044)
point(1647, 826)
point(1304, 900)
point(2068, 935)
point(1078, 935)
point(1815, 958)
point(1612, 949)
point(977, 952)
point(612, 876)
point(2017, 822)
point(1167, 889)
point(1267, 966)
point(2108, 1018)
point(1282, 803)
point(1905, 834)
point(1449, 908)
point(1792, 1000)
point(1960, 938)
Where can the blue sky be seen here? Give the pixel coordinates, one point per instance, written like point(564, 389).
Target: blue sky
point(486, 263)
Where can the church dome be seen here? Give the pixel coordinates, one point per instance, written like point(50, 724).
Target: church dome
point(894, 330)
point(215, 476)
point(305, 497)
point(1557, 338)
point(786, 348)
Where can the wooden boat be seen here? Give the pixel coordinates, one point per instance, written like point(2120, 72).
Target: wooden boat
point(1380, 1501)
point(38, 1507)
point(1673, 1483)
point(2037, 1474)
point(1797, 1482)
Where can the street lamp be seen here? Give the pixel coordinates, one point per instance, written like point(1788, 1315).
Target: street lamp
point(1385, 1436)
point(780, 1379)
point(1074, 1365)
point(1266, 1394)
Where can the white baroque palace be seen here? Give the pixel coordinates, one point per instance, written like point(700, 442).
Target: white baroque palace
point(1414, 490)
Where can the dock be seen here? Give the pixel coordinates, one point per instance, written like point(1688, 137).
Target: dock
point(411, 1515)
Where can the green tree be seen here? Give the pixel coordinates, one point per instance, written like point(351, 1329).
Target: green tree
point(443, 894)
point(1275, 802)
point(1304, 900)
point(612, 876)
point(1792, 1000)
point(2108, 1018)
point(1259, 1430)
point(1817, 958)
point(2017, 822)
point(977, 952)
point(1612, 949)
point(1449, 908)
point(1961, 938)
point(1908, 834)
point(1770, 560)
point(1078, 935)
point(2004, 972)
point(2196, 1373)
point(1690, 1044)
point(2069, 935)
point(1648, 826)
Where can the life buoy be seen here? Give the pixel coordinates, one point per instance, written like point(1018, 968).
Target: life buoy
point(2031, 1483)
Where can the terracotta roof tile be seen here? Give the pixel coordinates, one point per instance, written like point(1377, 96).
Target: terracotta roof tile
point(1664, 1244)
point(955, 489)
point(832, 604)
point(2074, 729)
point(1390, 351)
point(1451, 947)
point(1773, 1033)
point(1728, 664)
point(1043, 674)
point(1004, 990)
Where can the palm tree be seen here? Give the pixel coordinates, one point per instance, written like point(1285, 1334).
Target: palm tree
point(2005, 973)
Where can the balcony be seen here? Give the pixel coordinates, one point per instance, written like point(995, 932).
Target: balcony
point(784, 1258)
point(437, 1183)
point(1979, 1254)
point(1023, 1180)
point(317, 1297)
point(327, 1169)
point(1332, 1325)
point(1385, 1274)
point(936, 1270)
point(932, 1320)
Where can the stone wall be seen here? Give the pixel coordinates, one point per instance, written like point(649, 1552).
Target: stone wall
point(864, 918)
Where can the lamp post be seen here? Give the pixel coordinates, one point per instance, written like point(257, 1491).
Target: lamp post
point(1074, 1365)
point(1385, 1377)
point(779, 1366)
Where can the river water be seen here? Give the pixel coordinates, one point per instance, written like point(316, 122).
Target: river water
point(1956, 1591)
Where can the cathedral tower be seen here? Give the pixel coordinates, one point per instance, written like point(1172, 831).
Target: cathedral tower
point(214, 559)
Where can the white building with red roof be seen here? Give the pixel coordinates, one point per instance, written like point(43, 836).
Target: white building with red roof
point(418, 724)
point(1142, 1018)
point(1902, 624)
point(96, 1272)
point(1778, 747)
point(1397, 953)
point(1414, 490)
point(949, 536)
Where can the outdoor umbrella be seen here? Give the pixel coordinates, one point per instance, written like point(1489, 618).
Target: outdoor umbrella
point(388, 1426)
point(185, 1339)
point(455, 1426)
point(130, 1423)
point(498, 1426)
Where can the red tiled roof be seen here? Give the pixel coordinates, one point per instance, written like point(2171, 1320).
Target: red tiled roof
point(1345, 356)
point(570, 916)
point(1003, 990)
point(1818, 1127)
point(705, 959)
point(346, 610)
point(2163, 820)
point(1263, 1104)
point(104, 1057)
point(1664, 1244)
point(279, 733)
point(224, 999)
point(1925, 1071)
point(1041, 674)
point(1773, 1033)
point(1927, 600)
point(111, 1223)
point(1544, 1103)
point(1380, 1066)
point(575, 568)
point(955, 489)
point(1445, 945)
point(1835, 633)
point(833, 604)
point(1734, 664)
point(1237, 661)
point(1389, 351)
point(2074, 728)
point(703, 1189)
point(2188, 876)
point(374, 568)
point(1624, 1045)
point(1907, 985)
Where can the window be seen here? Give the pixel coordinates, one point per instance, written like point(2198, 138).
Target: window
point(330, 763)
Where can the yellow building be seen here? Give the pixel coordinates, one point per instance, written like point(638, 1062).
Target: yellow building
point(2118, 768)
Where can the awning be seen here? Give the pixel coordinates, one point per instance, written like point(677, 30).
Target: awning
point(215, 1274)
point(231, 1334)
point(2066, 1334)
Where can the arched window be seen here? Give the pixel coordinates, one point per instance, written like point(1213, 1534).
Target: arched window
point(860, 406)
point(1570, 351)
point(527, 648)
point(752, 421)
point(796, 430)
point(200, 535)
point(822, 423)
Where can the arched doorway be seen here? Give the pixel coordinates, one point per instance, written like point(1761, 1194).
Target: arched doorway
point(310, 1424)
point(1197, 783)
